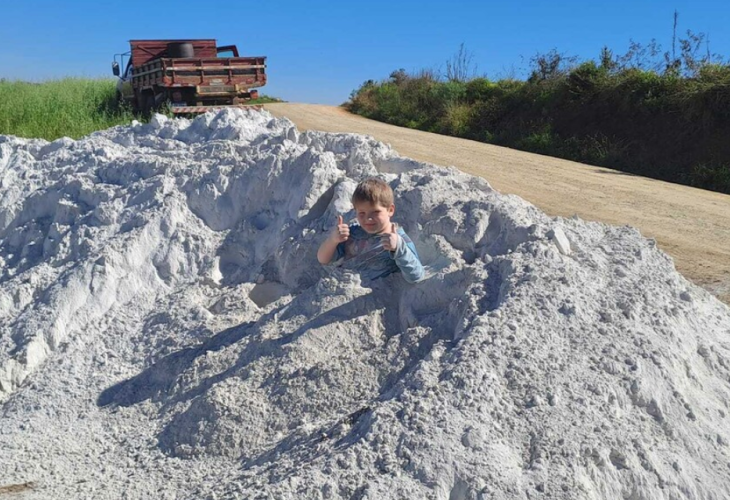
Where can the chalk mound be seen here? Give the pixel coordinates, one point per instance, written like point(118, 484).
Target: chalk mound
point(166, 331)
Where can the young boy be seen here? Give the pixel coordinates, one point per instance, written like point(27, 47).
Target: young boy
point(376, 247)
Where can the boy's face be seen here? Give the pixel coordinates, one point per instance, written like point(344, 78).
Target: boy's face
point(373, 218)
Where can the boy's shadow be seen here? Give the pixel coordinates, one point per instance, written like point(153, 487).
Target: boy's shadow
point(156, 381)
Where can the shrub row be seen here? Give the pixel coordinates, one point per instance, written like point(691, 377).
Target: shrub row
point(666, 126)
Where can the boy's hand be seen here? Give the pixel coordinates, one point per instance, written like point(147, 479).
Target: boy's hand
point(389, 238)
point(341, 232)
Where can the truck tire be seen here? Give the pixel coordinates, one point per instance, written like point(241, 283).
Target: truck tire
point(148, 104)
point(180, 49)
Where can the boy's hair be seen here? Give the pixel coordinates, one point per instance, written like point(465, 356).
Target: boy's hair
point(375, 191)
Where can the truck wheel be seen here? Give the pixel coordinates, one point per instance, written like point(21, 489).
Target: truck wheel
point(148, 104)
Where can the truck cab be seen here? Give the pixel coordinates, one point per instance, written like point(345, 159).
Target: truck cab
point(125, 92)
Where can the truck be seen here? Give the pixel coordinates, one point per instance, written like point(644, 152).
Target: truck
point(191, 76)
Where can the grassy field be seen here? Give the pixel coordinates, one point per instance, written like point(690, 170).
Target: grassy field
point(264, 99)
point(71, 107)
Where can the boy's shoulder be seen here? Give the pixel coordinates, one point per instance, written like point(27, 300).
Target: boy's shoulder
point(402, 233)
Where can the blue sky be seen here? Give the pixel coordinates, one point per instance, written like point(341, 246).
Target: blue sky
point(319, 51)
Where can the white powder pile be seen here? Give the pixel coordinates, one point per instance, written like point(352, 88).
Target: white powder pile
point(166, 332)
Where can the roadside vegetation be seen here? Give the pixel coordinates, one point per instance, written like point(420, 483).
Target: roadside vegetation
point(659, 114)
point(71, 107)
point(264, 99)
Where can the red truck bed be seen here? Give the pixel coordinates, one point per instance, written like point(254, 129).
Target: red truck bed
point(214, 72)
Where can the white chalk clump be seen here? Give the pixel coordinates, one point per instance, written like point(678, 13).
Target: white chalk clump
point(166, 332)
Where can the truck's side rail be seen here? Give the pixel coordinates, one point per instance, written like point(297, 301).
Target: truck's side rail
point(240, 71)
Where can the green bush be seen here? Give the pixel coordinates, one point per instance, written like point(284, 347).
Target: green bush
point(669, 126)
point(451, 92)
point(456, 120)
point(538, 142)
point(717, 74)
point(481, 89)
point(586, 80)
point(715, 177)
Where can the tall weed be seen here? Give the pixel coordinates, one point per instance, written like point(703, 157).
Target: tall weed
point(71, 107)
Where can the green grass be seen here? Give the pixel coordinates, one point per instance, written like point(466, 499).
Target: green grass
point(264, 99)
point(71, 107)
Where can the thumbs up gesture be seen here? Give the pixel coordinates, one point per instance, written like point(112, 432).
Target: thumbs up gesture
point(389, 238)
point(341, 232)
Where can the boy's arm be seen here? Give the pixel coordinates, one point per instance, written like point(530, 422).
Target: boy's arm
point(339, 234)
point(406, 258)
point(327, 250)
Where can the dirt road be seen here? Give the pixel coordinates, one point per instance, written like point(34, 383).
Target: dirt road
point(691, 225)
